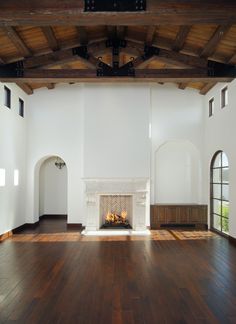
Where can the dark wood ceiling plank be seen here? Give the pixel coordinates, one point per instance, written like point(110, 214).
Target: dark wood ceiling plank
point(181, 37)
point(214, 41)
point(150, 34)
point(11, 33)
point(25, 87)
point(71, 12)
point(50, 37)
point(207, 87)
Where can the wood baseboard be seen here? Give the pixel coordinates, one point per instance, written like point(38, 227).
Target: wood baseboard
point(232, 240)
point(52, 216)
point(74, 226)
point(5, 236)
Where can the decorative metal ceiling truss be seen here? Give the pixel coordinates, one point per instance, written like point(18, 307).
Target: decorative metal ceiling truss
point(213, 69)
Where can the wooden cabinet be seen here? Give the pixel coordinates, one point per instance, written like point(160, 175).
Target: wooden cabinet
point(164, 215)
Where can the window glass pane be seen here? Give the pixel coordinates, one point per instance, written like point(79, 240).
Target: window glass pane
point(217, 207)
point(225, 192)
point(217, 191)
point(217, 222)
point(225, 161)
point(216, 175)
point(217, 162)
point(225, 209)
point(225, 225)
point(225, 175)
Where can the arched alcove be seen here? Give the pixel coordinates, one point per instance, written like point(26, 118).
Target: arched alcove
point(41, 169)
point(53, 187)
point(177, 173)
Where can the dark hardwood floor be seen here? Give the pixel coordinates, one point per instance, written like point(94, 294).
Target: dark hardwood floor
point(55, 276)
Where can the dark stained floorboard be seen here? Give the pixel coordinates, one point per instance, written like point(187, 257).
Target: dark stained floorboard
point(47, 277)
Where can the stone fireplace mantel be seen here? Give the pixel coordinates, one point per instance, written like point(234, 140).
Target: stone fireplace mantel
point(137, 188)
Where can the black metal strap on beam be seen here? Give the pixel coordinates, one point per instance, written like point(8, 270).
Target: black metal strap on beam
point(81, 51)
point(104, 70)
point(216, 69)
point(114, 5)
point(150, 51)
point(15, 70)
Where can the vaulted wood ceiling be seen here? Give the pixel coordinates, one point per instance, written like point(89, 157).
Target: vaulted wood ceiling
point(44, 45)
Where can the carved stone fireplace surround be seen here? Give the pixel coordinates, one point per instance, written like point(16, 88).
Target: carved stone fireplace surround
point(137, 188)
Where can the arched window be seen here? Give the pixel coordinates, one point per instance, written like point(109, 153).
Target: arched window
point(220, 193)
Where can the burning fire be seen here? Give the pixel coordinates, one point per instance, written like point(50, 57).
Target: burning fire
point(114, 218)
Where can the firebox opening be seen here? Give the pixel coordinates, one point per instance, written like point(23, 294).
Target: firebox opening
point(116, 211)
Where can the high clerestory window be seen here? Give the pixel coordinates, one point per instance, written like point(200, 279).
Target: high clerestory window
point(220, 193)
point(211, 107)
point(7, 97)
point(224, 97)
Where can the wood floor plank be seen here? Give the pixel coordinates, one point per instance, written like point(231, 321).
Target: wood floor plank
point(51, 275)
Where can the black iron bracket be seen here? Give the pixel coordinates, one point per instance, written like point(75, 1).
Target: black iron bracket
point(150, 51)
point(81, 51)
point(114, 5)
point(217, 69)
point(105, 70)
point(116, 42)
point(12, 70)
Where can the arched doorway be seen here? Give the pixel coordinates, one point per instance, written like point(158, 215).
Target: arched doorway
point(53, 188)
point(220, 193)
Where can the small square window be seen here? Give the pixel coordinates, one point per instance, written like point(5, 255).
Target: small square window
point(7, 97)
point(211, 107)
point(224, 97)
point(21, 107)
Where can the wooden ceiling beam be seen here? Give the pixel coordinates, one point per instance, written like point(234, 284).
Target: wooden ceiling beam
point(82, 35)
point(99, 48)
point(83, 75)
point(50, 86)
point(11, 33)
point(111, 32)
point(181, 37)
point(150, 35)
point(50, 36)
point(121, 31)
point(182, 85)
point(71, 12)
point(25, 87)
point(207, 87)
point(214, 41)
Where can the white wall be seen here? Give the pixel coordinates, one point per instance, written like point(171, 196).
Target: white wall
point(220, 133)
point(100, 131)
point(56, 129)
point(116, 128)
point(12, 157)
point(176, 116)
point(53, 189)
point(177, 173)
